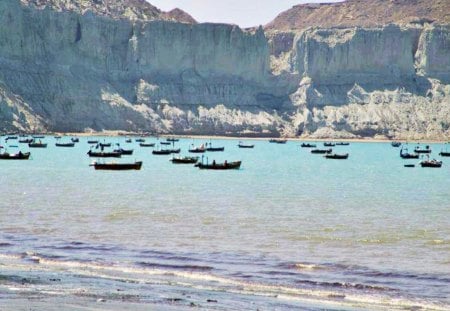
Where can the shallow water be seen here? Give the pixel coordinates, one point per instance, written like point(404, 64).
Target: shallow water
point(288, 230)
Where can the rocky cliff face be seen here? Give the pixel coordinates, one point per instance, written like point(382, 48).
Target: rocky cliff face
point(78, 65)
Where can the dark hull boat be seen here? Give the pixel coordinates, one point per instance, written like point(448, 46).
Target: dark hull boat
point(37, 145)
point(103, 145)
point(197, 150)
point(92, 141)
point(215, 149)
point(337, 156)
point(103, 154)
point(426, 150)
point(184, 160)
point(65, 144)
point(172, 139)
point(140, 140)
point(405, 155)
point(146, 145)
point(444, 154)
point(396, 144)
point(342, 144)
point(118, 166)
point(165, 143)
point(278, 141)
point(242, 145)
point(75, 139)
point(431, 163)
point(220, 166)
point(124, 151)
point(329, 144)
point(26, 141)
point(128, 140)
point(307, 145)
point(15, 156)
point(162, 152)
point(321, 151)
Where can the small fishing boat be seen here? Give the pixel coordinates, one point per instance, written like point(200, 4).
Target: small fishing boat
point(65, 144)
point(419, 150)
point(444, 154)
point(37, 144)
point(75, 139)
point(329, 144)
point(15, 156)
point(92, 141)
point(321, 151)
point(220, 166)
point(215, 149)
point(342, 143)
point(308, 145)
point(104, 154)
point(57, 137)
point(128, 140)
point(124, 151)
point(117, 166)
point(184, 160)
point(11, 137)
point(396, 144)
point(431, 163)
point(162, 152)
point(404, 154)
point(140, 140)
point(337, 156)
point(26, 140)
point(409, 165)
point(278, 141)
point(147, 144)
point(244, 145)
point(165, 143)
point(172, 140)
point(200, 149)
point(105, 145)
point(38, 136)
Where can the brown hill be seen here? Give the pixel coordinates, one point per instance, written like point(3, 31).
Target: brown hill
point(180, 16)
point(362, 13)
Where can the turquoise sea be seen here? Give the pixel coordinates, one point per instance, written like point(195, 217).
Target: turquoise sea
point(290, 230)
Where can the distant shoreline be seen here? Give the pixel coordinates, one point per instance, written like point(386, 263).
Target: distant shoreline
point(261, 138)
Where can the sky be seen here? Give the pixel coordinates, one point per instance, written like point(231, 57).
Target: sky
point(245, 13)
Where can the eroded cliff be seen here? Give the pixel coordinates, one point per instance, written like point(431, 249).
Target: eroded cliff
point(75, 69)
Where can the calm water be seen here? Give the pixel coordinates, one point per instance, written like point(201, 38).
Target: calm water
point(289, 230)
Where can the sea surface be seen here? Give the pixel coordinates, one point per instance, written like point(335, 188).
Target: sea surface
point(290, 230)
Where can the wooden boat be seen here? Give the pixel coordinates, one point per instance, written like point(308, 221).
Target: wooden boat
point(243, 145)
point(38, 144)
point(431, 163)
point(278, 141)
point(103, 154)
point(321, 151)
point(329, 144)
point(308, 145)
point(15, 156)
point(117, 166)
point(65, 144)
point(184, 160)
point(342, 143)
point(426, 150)
point(147, 144)
point(337, 156)
point(200, 149)
point(92, 141)
point(124, 151)
point(220, 166)
point(26, 141)
point(396, 144)
point(405, 155)
point(75, 139)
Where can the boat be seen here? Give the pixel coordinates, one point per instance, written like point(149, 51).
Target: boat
point(184, 160)
point(396, 144)
point(140, 140)
point(337, 156)
point(220, 166)
point(405, 155)
point(57, 137)
point(104, 154)
point(409, 165)
point(117, 166)
point(11, 137)
point(75, 139)
point(325, 144)
point(147, 144)
point(38, 144)
point(308, 145)
point(165, 143)
point(38, 136)
point(92, 141)
point(444, 154)
point(321, 151)
point(200, 149)
point(128, 140)
point(243, 145)
point(15, 156)
point(65, 144)
point(342, 143)
point(105, 145)
point(172, 139)
point(26, 140)
point(215, 149)
point(431, 163)
point(124, 151)
point(278, 141)
point(426, 150)
point(162, 152)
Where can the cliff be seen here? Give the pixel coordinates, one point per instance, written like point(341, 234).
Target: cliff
point(79, 65)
